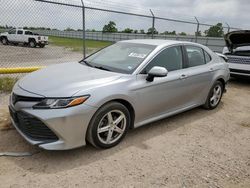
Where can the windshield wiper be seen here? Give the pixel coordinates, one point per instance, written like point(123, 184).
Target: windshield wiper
point(87, 63)
point(102, 68)
point(98, 67)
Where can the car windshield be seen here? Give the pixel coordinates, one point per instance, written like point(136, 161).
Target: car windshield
point(123, 57)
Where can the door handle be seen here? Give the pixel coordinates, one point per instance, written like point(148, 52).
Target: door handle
point(183, 76)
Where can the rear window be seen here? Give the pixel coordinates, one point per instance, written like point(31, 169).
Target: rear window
point(195, 56)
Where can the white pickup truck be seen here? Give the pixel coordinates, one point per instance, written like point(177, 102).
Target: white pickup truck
point(16, 36)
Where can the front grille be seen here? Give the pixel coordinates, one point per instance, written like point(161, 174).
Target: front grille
point(239, 59)
point(32, 127)
point(16, 98)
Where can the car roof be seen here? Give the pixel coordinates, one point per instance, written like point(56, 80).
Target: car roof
point(155, 42)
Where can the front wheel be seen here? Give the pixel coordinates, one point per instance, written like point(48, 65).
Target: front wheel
point(32, 44)
point(214, 96)
point(109, 125)
point(4, 41)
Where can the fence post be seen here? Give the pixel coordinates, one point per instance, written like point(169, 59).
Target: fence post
point(153, 24)
point(197, 30)
point(228, 27)
point(83, 30)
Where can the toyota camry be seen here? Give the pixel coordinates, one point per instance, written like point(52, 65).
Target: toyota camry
point(121, 87)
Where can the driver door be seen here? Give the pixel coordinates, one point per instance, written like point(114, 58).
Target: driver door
point(164, 94)
point(12, 35)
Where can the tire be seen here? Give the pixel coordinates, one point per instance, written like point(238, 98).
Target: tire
point(103, 131)
point(214, 96)
point(32, 43)
point(41, 45)
point(4, 41)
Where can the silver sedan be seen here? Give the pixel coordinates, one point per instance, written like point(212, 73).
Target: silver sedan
point(121, 87)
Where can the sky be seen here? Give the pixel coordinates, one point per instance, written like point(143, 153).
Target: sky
point(21, 13)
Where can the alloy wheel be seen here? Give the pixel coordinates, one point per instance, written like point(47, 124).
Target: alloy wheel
point(216, 96)
point(111, 127)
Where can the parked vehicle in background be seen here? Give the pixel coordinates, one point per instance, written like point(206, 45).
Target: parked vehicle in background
point(16, 36)
point(238, 52)
point(124, 86)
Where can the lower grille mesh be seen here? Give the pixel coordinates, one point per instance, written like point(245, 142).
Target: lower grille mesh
point(33, 127)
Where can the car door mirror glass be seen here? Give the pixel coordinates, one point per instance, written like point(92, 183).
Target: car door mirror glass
point(156, 72)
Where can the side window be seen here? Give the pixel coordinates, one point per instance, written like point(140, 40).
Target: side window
point(28, 33)
point(19, 32)
point(12, 31)
point(195, 56)
point(170, 58)
point(207, 57)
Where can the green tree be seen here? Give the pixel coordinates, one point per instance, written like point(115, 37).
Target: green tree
point(198, 33)
point(215, 31)
point(110, 27)
point(152, 30)
point(183, 34)
point(169, 33)
point(135, 31)
point(69, 29)
point(127, 30)
point(142, 31)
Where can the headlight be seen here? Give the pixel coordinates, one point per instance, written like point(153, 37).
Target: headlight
point(60, 103)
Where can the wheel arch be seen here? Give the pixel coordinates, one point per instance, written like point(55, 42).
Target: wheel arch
point(124, 102)
point(2, 37)
point(222, 80)
point(31, 39)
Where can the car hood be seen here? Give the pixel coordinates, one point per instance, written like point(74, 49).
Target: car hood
point(4, 33)
point(237, 39)
point(65, 80)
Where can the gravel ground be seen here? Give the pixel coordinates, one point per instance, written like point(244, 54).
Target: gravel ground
point(197, 148)
point(18, 56)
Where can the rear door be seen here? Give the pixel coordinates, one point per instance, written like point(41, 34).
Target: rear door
point(197, 75)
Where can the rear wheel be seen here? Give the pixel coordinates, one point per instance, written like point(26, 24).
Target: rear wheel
point(214, 97)
point(32, 43)
point(109, 125)
point(4, 41)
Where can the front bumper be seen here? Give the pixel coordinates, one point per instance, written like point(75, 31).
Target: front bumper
point(69, 125)
point(239, 69)
point(43, 42)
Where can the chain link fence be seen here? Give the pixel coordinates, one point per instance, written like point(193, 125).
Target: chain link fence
point(75, 29)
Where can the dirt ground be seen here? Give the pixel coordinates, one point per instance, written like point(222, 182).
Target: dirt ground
point(197, 148)
point(19, 56)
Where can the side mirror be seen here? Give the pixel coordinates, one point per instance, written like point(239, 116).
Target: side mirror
point(156, 72)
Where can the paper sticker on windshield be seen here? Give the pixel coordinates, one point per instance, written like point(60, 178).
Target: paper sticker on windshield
point(142, 56)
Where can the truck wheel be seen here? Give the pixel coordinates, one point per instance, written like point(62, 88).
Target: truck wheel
point(32, 43)
point(4, 41)
point(41, 45)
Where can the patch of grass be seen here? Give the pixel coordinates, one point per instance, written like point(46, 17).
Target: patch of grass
point(7, 83)
point(76, 44)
